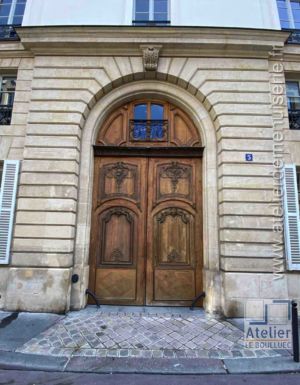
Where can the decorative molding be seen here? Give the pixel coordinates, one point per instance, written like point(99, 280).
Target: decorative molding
point(151, 57)
point(119, 171)
point(174, 256)
point(173, 212)
point(117, 256)
point(118, 211)
point(129, 40)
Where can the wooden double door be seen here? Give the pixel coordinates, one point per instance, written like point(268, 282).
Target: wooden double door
point(146, 243)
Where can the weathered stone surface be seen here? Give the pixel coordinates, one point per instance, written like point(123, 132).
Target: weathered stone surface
point(4, 272)
point(45, 290)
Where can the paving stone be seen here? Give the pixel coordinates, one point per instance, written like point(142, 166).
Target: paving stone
point(139, 334)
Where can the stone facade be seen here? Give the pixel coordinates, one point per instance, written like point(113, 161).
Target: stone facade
point(70, 79)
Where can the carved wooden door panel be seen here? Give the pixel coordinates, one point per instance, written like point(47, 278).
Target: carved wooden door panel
point(118, 230)
point(174, 231)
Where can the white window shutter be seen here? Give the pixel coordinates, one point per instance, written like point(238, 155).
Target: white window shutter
point(292, 220)
point(7, 207)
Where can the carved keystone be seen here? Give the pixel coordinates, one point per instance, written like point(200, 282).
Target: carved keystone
point(150, 57)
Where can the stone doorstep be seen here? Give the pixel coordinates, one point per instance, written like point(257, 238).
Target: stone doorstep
point(19, 361)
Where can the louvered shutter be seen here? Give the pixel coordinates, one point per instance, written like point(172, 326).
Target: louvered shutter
point(7, 207)
point(292, 220)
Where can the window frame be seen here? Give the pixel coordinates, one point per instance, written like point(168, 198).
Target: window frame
point(151, 13)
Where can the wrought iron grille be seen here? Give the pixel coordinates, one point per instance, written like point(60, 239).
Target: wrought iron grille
point(148, 130)
point(8, 32)
point(5, 114)
point(294, 119)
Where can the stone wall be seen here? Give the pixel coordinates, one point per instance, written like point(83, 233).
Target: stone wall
point(56, 94)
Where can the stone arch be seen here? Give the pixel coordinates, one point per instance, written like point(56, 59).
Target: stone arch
point(191, 105)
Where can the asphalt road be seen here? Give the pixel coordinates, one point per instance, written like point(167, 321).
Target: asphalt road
point(41, 378)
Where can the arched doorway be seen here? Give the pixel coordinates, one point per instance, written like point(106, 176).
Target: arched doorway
point(146, 235)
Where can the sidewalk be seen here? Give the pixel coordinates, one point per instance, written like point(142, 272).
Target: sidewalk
point(132, 340)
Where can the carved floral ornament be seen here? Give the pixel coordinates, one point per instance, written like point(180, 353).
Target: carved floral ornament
point(150, 57)
point(175, 171)
point(173, 212)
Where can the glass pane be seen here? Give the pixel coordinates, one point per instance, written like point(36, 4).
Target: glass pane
point(17, 20)
point(295, 5)
point(142, 16)
point(285, 24)
point(4, 10)
point(20, 9)
point(292, 89)
point(6, 1)
point(296, 14)
point(281, 3)
point(21, 1)
point(283, 14)
point(140, 112)
point(157, 112)
point(3, 20)
point(142, 6)
point(8, 90)
point(161, 6)
point(160, 16)
point(7, 99)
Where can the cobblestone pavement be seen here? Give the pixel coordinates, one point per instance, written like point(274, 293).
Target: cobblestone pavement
point(107, 332)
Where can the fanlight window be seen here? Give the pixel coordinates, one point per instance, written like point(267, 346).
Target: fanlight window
point(148, 123)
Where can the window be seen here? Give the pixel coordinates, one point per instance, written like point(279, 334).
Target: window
point(289, 13)
point(12, 11)
point(151, 12)
point(293, 102)
point(7, 94)
point(149, 123)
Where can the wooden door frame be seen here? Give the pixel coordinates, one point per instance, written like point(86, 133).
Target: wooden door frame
point(149, 152)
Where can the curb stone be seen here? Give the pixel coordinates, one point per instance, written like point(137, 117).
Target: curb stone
point(79, 364)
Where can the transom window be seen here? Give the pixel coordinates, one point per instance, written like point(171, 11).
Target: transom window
point(12, 11)
point(289, 13)
point(149, 122)
point(151, 11)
